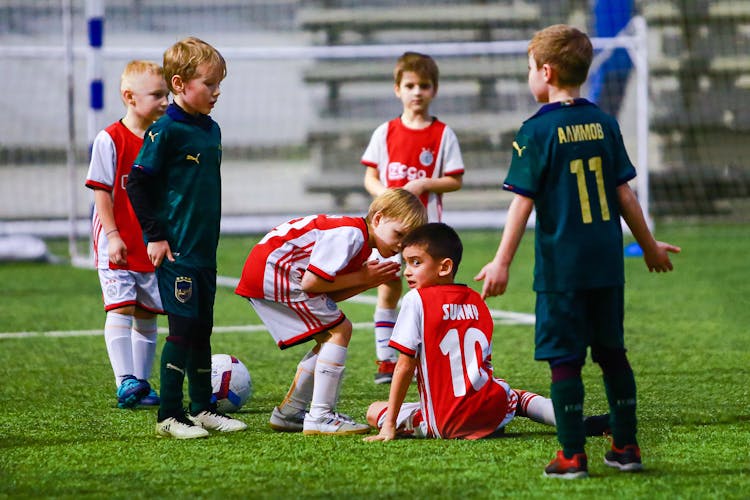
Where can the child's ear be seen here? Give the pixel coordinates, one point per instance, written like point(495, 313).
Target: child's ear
point(376, 219)
point(446, 267)
point(127, 96)
point(549, 73)
point(177, 84)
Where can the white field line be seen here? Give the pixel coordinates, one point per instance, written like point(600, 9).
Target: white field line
point(500, 317)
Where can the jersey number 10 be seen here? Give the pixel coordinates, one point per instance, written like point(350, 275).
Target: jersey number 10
point(468, 361)
point(595, 165)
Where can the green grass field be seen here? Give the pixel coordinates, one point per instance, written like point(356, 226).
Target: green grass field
point(62, 436)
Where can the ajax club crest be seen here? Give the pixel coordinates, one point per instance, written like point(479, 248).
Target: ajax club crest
point(426, 157)
point(183, 288)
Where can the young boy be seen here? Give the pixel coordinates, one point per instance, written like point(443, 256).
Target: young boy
point(129, 289)
point(293, 278)
point(444, 331)
point(419, 153)
point(175, 189)
point(570, 163)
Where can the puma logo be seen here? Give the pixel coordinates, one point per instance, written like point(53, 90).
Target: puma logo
point(195, 158)
point(152, 135)
point(518, 148)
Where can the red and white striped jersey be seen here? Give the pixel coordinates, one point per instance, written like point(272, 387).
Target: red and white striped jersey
point(325, 245)
point(448, 328)
point(402, 154)
point(112, 155)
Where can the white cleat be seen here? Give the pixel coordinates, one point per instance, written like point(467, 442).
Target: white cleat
point(333, 423)
point(214, 421)
point(179, 428)
point(286, 423)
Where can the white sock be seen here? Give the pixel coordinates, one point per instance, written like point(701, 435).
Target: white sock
point(301, 391)
point(536, 407)
point(329, 371)
point(117, 337)
point(384, 320)
point(143, 341)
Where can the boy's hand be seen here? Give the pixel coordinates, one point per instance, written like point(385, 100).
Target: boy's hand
point(495, 279)
point(118, 252)
point(387, 433)
point(159, 250)
point(379, 272)
point(657, 259)
point(417, 187)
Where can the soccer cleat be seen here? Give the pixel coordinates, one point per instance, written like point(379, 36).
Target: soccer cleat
point(384, 375)
point(131, 391)
point(627, 459)
point(286, 423)
point(150, 399)
point(215, 421)
point(179, 428)
point(597, 425)
point(333, 423)
point(568, 468)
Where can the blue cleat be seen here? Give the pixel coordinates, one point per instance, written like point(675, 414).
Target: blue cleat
point(131, 392)
point(150, 399)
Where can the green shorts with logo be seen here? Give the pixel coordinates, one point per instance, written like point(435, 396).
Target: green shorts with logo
point(186, 290)
point(567, 323)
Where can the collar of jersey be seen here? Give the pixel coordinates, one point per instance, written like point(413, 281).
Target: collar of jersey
point(579, 101)
point(178, 114)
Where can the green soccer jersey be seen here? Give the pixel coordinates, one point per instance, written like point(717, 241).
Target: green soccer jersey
point(570, 158)
point(181, 155)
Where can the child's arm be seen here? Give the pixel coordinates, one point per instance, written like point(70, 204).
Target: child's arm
point(141, 198)
point(444, 184)
point(402, 376)
point(495, 273)
point(105, 208)
point(373, 185)
point(372, 274)
point(654, 252)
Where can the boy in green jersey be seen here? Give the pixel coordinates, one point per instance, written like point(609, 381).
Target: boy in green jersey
point(175, 190)
point(570, 164)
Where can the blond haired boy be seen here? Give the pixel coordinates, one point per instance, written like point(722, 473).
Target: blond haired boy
point(419, 153)
point(569, 162)
point(175, 189)
point(294, 277)
point(129, 289)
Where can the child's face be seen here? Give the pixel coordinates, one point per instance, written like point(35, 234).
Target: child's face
point(423, 270)
point(415, 93)
point(387, 235)
point(148, 96)
point(537, 81)
point(200, 94)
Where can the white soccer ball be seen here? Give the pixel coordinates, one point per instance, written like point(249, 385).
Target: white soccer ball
point(232, 385)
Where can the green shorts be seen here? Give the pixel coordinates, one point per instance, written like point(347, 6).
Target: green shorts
point(567, 323)
point(187, 291)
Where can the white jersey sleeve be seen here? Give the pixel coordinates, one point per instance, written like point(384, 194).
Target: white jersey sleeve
point(407, 333)
point(334, 250)
point(376, 153)
point(103, 165)
point(451, 161)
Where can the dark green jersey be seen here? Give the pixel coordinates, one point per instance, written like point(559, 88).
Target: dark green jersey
point(177, 188)
point(570, 158)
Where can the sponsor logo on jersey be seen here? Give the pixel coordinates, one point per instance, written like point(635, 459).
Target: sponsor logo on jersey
point(195, 158)
point(152, 135)
point(426, 157)
point(518, 148)
point(398, 171)
point(183, 288)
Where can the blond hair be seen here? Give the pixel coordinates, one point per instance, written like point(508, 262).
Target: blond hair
point(184, 57)
point(567, 49)
point(423, 65)
point(400, 205)
point(136, 68)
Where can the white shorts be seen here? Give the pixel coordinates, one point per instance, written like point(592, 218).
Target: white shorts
point(292, 323)
point(409, 421)
point(121, 288)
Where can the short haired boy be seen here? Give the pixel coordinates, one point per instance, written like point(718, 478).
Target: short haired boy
point(129, 289)
point(175, 189)
point(419, 153)
point(444, 331)
point(294, 277)
point(570, 163)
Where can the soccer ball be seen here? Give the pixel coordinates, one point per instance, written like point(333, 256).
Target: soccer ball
point(231, 383)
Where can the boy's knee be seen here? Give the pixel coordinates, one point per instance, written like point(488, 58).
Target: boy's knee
point(341, 334)
point(611, 360)
point(566, 368)
point(374, 411)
